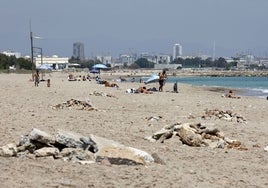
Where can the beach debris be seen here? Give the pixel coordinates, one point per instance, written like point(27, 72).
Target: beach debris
point(196, 135)
point(96, 93)
point(70, 146)
point(227, 115)
point(153, 118)
point(266, 148)
point(75, 104)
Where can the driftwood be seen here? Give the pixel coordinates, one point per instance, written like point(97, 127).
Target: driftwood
point(196, 135)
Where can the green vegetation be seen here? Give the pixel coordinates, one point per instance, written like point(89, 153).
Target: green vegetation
point(144, 63)
point(198, 62)
point(18, 63)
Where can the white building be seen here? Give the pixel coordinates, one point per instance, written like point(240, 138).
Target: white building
point(54, 61)
point(177, 51)
point(106, 59)
point(11, 53)
point(163, 58)
point(126, 59)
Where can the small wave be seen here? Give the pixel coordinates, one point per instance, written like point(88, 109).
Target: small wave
point(261, 90)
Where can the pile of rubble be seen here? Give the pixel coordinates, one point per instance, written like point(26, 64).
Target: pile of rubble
point(74, 147)
point(226, 115)
point(196, 135)
point(75, 104)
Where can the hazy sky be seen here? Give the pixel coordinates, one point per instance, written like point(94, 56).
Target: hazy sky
point(124, 26)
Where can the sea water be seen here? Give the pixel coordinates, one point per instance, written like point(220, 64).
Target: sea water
point(252, 86)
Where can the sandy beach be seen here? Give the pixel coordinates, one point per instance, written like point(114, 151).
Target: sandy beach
point(125, 118)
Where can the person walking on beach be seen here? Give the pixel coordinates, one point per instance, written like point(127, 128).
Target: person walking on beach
point(162, 78)
point(36, 78)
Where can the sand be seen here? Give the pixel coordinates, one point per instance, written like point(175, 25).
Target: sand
point(124, 118)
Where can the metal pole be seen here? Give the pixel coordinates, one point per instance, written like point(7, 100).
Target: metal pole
point(31, 38)
point(42, 62)
point(41, 56)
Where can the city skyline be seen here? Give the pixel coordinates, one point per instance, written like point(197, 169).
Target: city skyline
point(124, 26)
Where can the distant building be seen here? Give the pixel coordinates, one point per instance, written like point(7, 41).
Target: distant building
point(125, 59)
point(106, 59)
point(177, 51)
point(78, 51)
point(149, 57)
point(54, 61)
point(163, 59)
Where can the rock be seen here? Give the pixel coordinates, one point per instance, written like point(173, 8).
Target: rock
point(46, 151)
point(8, 150)
point(41, 136)
point(24, 140)
point(89, 145)
point(27, 146)
point(119, 154)
point(76, 154)
point(69, 139)
point(266, 148)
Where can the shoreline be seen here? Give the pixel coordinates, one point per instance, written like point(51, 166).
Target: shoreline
point(114, 76)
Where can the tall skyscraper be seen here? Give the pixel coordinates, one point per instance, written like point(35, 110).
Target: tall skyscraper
point(177, 51)
point(78, 50)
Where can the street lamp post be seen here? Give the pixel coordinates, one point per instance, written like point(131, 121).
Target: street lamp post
point(32, 49)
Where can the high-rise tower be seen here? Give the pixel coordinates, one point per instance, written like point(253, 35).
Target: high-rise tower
point(177, 51)
point(78, 51)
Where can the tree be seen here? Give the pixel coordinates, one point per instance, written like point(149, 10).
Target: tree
point(144, 63)
point(221, 62)
point(24, 64)
point(19, 63)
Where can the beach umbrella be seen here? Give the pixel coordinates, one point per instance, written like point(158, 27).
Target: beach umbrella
point(99, 66)
point(153, 78)
point(44, 67)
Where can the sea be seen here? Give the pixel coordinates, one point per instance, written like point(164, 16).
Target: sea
point(251, 86)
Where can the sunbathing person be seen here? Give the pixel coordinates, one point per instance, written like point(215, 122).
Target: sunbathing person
point(71, 77)
point(143, 90)
point(108, 84)
point(231, 95)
